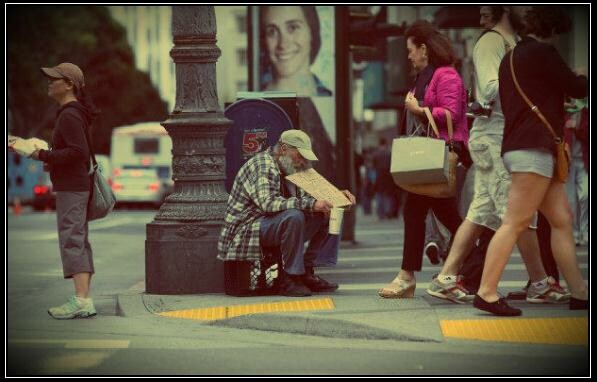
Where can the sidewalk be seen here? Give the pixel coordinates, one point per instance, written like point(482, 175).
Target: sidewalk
point(355, 310)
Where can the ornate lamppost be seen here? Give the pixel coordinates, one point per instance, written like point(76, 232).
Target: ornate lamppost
point(181, 242)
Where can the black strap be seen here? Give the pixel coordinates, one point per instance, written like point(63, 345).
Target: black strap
point(86, 132)
point(506, 43)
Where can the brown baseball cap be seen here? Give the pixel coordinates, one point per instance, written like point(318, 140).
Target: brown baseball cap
point(68, 71)
point(301, 141)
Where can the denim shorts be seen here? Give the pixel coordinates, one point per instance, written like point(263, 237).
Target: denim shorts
point(536, 161)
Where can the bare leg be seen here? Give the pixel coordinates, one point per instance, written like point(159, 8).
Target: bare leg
point(528, 244)
point(82, 283)
point(526, 193)
point(464, 240)
point(557, 211)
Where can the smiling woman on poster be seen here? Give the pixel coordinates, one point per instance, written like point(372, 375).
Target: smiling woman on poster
point(290, 41)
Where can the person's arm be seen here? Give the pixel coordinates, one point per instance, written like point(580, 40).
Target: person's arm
point(449, 96)
point(487, 56)
point(572, 84)
point(269, 199)
point(76, 150)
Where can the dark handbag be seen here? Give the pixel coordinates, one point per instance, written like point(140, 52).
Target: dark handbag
point(101, 198)
point(562, 154)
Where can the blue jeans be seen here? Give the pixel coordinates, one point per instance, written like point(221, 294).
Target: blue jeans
point(290, 229)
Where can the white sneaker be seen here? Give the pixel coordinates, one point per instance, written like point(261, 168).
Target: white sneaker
point(75, 307)
point(552, 294)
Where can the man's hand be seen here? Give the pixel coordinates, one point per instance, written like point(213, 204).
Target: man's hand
point(323, 206)
point(350, 196)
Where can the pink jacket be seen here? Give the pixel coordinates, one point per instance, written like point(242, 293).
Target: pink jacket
point(446, 91)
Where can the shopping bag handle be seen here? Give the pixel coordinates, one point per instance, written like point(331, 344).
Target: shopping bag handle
point(434, 126)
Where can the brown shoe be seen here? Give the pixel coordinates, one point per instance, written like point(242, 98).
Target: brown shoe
point(292, 286)
point(316, 283)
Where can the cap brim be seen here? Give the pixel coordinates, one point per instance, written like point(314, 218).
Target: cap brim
point(307, 154)
point(51, 72)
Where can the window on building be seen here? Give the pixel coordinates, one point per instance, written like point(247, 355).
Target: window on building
point(241, 56)
point(241, 24)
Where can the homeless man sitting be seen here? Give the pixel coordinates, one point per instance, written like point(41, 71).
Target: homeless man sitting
point(267, 211)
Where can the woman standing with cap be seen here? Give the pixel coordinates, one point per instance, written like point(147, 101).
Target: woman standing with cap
point(68, 163)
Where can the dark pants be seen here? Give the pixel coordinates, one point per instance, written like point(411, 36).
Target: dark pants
point(472, 269)
point(289, 230)
point(415, 211)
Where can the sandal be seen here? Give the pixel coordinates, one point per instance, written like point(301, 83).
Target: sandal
point(400, 289)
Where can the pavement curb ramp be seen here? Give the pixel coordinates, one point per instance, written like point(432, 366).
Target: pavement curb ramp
point(315, 326)
point(339, 316)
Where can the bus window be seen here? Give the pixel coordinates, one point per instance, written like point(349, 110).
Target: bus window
point(147, 146)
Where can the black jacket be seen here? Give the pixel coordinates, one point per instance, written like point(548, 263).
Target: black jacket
point(69, 158)
point(546, 80)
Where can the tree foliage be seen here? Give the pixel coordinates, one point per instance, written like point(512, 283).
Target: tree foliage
point(44, 36)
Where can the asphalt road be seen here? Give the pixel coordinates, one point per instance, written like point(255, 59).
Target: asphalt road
point(151, 345)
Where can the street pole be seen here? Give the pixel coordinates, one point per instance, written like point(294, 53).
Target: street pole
point(344, 128)
point(181, 242)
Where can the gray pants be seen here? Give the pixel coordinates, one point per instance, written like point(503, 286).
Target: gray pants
point(289, 230)
point(73, 231)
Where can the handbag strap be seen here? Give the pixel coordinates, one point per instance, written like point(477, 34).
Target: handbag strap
point(533, 107)
point(434, 126)
point(92, 154)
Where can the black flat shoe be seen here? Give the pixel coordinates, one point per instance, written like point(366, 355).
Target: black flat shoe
point(576, 304)
point(499, 308)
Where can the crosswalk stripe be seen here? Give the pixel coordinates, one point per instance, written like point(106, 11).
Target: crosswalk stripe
point(343, 259)
point(335, 271)
point(75, 344)
point(425, 285)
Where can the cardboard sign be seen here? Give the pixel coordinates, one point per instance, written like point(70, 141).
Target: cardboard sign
point(318, 187)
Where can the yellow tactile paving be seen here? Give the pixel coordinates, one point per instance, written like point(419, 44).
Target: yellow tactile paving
point(221, 312)
point(566, 331)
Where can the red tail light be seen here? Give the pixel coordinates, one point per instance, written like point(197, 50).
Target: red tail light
point(154, 186)
point(40, 190)
point(116, 186)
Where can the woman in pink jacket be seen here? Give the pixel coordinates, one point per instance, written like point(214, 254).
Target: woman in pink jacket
point(439, 87)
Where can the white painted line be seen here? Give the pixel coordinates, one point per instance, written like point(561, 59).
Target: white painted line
point(398, 249)
point(349, 259)
point(93, 226)
point(76, 344)
point(332, 271)
point(140, 286)
point(422, 286)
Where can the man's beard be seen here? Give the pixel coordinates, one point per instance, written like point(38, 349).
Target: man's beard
point(288, 168)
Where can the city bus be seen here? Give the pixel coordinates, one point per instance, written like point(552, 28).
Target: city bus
point(141, 161)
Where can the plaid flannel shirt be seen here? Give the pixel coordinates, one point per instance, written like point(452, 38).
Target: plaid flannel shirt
point(257, 192)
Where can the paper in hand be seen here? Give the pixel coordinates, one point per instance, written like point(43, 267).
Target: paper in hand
point(318, 187)
point(26, 147)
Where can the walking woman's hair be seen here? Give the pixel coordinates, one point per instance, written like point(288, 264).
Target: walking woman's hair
point(546, 21)
point(439, 47)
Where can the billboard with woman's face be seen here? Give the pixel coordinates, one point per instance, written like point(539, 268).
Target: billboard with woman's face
point(294, 52)
point(296, 49)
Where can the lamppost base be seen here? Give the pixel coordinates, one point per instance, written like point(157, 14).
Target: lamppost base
point(180, 258)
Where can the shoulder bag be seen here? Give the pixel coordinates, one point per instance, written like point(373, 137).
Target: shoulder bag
point(101, 198)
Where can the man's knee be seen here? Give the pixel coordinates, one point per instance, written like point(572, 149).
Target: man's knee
point(293, 219)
